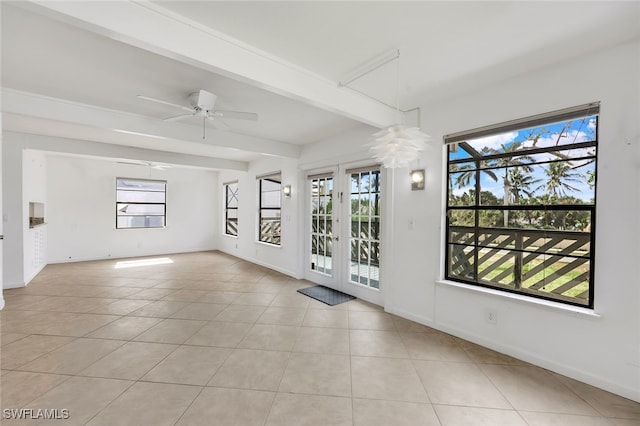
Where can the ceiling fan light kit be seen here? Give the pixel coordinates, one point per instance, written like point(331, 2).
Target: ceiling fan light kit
point(203, 100)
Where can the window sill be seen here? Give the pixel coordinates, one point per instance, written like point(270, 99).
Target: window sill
point(235, 237)
point(269, 244)
point(140, 227)
point(531, 301)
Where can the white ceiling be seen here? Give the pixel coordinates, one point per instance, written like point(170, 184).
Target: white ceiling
point(443, 45)
point(40, 55)
point(446, 48)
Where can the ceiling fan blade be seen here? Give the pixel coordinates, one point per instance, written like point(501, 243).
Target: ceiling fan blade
point(151, 164)
point(236, 115)
point(178, 117)
point(159, 101)
point(218, 123)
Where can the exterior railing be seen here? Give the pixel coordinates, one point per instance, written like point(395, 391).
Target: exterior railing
point(232, 227)
point(366, 253)
point(546, 263)
point(270, 231)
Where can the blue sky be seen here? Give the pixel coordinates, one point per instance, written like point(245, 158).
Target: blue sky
point(579, 130)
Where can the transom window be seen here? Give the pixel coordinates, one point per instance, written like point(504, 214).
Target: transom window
point(521, 205)
point(231, 209)
point(140, 203)
point(269, 224)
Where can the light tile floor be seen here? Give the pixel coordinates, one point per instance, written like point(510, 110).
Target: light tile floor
point(212, 340)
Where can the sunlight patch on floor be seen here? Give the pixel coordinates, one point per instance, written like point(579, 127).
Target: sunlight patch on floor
point(142, 262)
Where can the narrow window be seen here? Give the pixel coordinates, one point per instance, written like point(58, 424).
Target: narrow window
point(231, 209)
point(521, 202)
point(140, 203)
point(269, 224)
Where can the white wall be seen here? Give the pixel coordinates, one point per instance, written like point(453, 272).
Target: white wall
point(605, 350)
point(81, 211)
point(601, 349)
point(285, 258)
point(34, 189)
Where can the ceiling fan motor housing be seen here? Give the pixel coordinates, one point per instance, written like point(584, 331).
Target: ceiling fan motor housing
point(203, 100)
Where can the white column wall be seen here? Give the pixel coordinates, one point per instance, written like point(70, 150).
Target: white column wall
point(12, 213)
point(1, 222)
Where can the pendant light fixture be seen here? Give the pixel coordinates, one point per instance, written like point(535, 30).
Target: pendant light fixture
point(397, 145)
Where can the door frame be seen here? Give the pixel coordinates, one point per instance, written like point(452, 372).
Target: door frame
point(333, 281)
point(360, 291)
point(340, 280)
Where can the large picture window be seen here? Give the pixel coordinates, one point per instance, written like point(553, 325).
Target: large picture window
point(140, 203)
point(231, 209)
point(269, 224)
point(521, 205)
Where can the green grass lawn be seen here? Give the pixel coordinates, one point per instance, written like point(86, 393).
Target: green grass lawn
point(559, 281)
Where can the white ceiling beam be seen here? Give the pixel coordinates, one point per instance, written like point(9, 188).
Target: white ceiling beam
point(154, 28)
point(119, 152)
point(29, 104)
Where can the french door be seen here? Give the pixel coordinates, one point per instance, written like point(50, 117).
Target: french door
point(323, 220)
point(344, 215)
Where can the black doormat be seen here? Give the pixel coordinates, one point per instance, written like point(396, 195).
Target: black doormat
point(326, 295)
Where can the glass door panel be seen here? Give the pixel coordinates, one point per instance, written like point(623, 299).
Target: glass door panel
point(364, 240)
point(321, 190)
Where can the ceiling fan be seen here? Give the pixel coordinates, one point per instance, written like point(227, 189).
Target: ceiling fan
point(203, 105)
point(150, 164)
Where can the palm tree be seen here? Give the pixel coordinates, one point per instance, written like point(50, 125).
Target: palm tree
point(521, 184)
point(560, 175)
point(466, 174)
point(509, 161)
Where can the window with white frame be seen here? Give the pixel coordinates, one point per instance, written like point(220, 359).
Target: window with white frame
point(521, 205)
point(269, 203)
point(140, 203)
point(231, 209)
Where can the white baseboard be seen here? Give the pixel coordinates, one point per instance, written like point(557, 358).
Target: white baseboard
point(33, 275)
point(549, 364)
point(162, 253)
point(265, 264)
point(8, 286)
point(409, 315)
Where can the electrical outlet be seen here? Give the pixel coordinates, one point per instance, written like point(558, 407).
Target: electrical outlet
point(491, 316)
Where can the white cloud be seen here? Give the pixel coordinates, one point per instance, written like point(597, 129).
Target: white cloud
point(573, 136)
point(493, 141)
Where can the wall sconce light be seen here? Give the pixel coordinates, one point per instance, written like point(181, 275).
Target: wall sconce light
point(417, 179)
point(286, 190)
